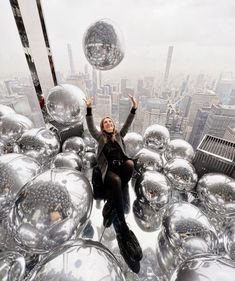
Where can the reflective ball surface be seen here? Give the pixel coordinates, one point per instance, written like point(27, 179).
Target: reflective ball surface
point(179, 149)
point(102, 45)
point(133, 143)
point(65, 104)
point(156, 137)
point(4, 110)
point(49, 209)
point(75, 144)
point(67, 159)
point(78, 260)
point(181, 174)
point(39, 143)
point(217, 192)
point(89, 160)
point(90, 144)
point(229, 239)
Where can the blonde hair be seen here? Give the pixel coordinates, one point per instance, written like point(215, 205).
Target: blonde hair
point(113, 138)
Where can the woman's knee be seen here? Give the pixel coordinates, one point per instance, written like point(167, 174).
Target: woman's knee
point(129, 164)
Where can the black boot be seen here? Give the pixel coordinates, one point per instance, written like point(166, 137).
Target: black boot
point(108, 214)
point(126, 199)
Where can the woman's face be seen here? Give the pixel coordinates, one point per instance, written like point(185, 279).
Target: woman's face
point(108, 125)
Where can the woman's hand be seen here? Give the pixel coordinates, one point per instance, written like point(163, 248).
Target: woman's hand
point(88, 101)
point(133, 101)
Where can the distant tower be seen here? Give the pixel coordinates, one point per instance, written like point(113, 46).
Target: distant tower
point(168, 64)
point(71, 62)
point(94, 84)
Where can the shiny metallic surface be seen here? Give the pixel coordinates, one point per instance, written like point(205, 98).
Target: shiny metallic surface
point(156, 137)
point(49, 209)
point(12, 266)
point(15, 171)
point(133, 143)
point(65, 104)
point(40, 143)
point(217, 192)
point(67, 159)
point(89, 160)
point(102, 45)
point(90, 144)
point(181, 174)
point(4, 110)
point(78, 260)
point(179, 149)
point(205, 268)
point(229, 239)
point(8, 147)
point(75, 144)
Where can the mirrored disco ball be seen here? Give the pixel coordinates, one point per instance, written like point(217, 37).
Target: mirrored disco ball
point(67, 159)
point(4, 110)
point(75, 144)
point(147, 159)
point(103, 45)
point(49, 209)
point(181, 174)
point(133, 143)
point(156, 137)
point(39, 143)
point(90, 144)
point(78, 260)
point(15, 171)
point(153, 188)
point(89, 160)
point(179, 149)
point(65, 104)
point(12, 126)
point(217, 192)
point(12, 266)
point(205, 268)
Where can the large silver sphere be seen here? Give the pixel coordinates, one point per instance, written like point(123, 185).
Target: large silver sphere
point(39, 143)
point(12, 126)
point(90, 144)
point(153, 188)
point(102, 45)
point(4, 110)
point(89, 160)
point(229, 239)
point(65, 104)
point(67, 159)
point(8, 147)
point(49, 209)
point(133, 143)
point(148, 160)
point(205, 268)
point(156, 137)
point(181, 174)
point(78, 260)
point(217, 192)
point(15, 171)
point(12, 266)
point(179, 149)
point(75, 144)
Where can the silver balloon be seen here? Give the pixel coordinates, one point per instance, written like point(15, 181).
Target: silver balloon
point(8, 147)
point(49, 209)
point(90, 144)
point(148, 160)
point(39, 143)
point(4, 110)
point(65, 104)
point(205, 268)
point(229, 240)
point(89, 160)
point(156, 137)
point(15, 171)
point(12, 126)
point(181, 174)
point(133, 143)
point(75, 144)
point(78, 260)
point(12, 266)
point(217, 192)
point(102, 45)
point(67, 159)
point(179, 149)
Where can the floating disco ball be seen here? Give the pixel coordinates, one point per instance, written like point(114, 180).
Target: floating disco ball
point(78, 260)
point(181, 174)
point(39, 143)
point(148, 160)
point(12, 126)
point(217, 192)
point(67, 159)
point(49, 209)
point(75, 144)
point(205, 268)
point(133, 143)
point(156, 137)
point(65, 104)
point(229, 239)
point(103, 45)
point(15, 171)
point(89, 160)
point(179, 149)
point(12, 266)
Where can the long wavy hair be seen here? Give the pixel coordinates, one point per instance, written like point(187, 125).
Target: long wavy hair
point(105, 138)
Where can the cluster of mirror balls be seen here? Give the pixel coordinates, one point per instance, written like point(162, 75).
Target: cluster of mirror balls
point(47, 231)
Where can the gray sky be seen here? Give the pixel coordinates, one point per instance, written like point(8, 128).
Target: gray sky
point(202, 32)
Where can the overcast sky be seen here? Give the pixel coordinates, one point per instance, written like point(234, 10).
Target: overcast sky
point(201, 31)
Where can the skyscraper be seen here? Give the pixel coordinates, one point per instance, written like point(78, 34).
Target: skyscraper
point(224, 87)
point(168, 64)
point(71, 62)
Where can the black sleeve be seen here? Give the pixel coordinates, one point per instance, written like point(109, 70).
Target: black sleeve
point(88, 111)
point(133, 110)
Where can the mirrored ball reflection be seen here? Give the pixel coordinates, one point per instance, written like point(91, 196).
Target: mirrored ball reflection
point(179, 149)
point(67, 159)
point(75, 144)
point(4, 110)
point(133, 143)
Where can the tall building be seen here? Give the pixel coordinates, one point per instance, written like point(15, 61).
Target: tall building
point(124, 109)
point(71, 62)
point(103, 106)
point(123, 85)
point(168, 64)
point(232, 97)
point(94, 85)
point(229, 133)
point(224, 87)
